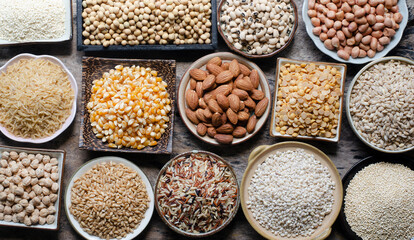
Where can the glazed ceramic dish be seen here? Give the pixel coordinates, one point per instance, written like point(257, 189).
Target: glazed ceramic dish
point(348, 99)
point(350, 175)
point(402, 5)
point(72, 83)
point(60, 155)
point(200, 63)
point(281, 62)
point(180, 231)
point(247, 55)
point(259, 155)
point(66, 36)
point(89, 165)
point(92, 69)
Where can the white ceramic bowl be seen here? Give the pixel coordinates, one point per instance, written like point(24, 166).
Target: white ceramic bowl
point(72, 83)
point(348, 99)
point(60, 155)
point(402, 5)
point(89, 165)
point(200, 63)
point(67, 35)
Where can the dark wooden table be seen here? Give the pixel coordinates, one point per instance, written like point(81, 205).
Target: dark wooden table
point(344, 154)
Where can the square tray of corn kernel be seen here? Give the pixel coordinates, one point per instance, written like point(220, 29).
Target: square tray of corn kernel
point(127, 105)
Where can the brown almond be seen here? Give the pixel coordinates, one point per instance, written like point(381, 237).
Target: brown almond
point(243, 95)
point(202, 103)
point(239, 132)
point(224, 77)
point(244, 69)
point(209, 95)
point(198, 74)
point(246, 110)
point(191, 115)
point(232, 116)
point(214, 107)
point(234, 102)
point(234, 68)
point(254, 78)
point(214, 69)
point(193, 84)
point(200, 115)
point(243, 116)
point(242, 106)
point(222, 101)
point(223, 118)
point(250, 103)
point(191, 99)
point(251, 124)
point(225, 66)
point(199, 89)
point(216, 120)
point(225, 128)
point(244, 84)
point(207, 113)
point(215, 61)
point(261, 107)
point(211, 132)
point(224, 138)
point(208, 83)
point(201, 129)
point(239, 77)
point(223, 89)
point(257, 95)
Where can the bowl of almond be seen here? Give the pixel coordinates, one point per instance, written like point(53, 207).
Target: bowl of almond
point(224, 98)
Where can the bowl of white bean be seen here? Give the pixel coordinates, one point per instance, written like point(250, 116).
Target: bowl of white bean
point(379, 105)
point(257, 30)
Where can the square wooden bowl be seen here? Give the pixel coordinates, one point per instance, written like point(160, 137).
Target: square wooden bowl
point(281, 61)
point(92, 69)
point(60, 155)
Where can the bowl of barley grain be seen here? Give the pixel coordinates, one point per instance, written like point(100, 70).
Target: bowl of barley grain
point(380, 106)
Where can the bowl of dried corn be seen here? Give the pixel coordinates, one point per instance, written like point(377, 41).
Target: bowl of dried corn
point(308, 100)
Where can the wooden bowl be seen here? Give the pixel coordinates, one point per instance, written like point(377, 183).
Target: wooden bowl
point(180, 231)
point(60, 155)
point(93, 68)
point(259, 155)
point(280, 62)
point(408, 162)
point(200, 63)
point(348, 100)
point(247, 55)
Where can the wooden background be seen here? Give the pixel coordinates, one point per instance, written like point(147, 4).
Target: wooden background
point(344, 154)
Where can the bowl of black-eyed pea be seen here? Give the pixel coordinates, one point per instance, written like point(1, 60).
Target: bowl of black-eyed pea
point(257, 30)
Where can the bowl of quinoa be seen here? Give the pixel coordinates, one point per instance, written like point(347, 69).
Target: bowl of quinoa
point(291, 190)
point(197, 194)
point(379, 199)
